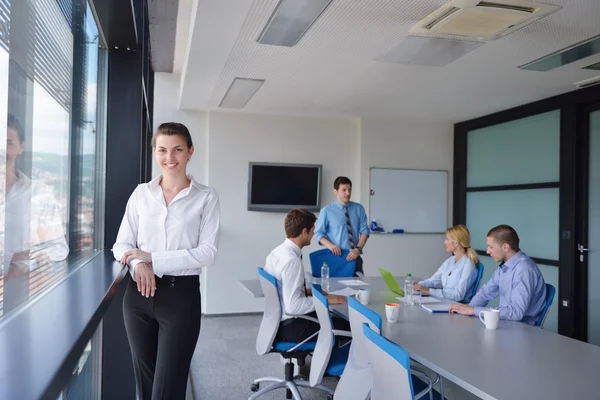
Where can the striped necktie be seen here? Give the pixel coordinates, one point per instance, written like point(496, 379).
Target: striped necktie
point(349, 228)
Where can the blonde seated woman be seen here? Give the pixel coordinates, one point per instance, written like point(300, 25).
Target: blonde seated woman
point(454, 280)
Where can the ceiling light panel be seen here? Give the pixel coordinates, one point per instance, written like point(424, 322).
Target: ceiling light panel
point(240, 92)
point(565, 56)
point(429, 51)
point(291, 20)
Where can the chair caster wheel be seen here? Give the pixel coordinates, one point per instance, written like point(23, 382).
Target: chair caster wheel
point(254, 387)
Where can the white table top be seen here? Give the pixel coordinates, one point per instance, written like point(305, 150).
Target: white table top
point(517, 361)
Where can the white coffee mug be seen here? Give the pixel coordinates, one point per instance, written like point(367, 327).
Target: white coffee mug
point(490, 318)
point(391, 311)
point(363, 295)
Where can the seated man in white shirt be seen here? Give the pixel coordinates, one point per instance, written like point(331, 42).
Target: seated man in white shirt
point(285, 264)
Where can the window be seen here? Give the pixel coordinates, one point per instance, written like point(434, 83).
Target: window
point(512, 177)
point(52, 83)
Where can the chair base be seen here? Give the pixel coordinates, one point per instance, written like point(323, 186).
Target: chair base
point(290, 384)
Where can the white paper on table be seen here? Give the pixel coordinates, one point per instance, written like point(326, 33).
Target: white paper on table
point(424, 300)
point(345, 292)
point(353, 282)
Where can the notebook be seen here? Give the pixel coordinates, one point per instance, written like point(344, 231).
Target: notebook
point(436, 308)
point(388, 278)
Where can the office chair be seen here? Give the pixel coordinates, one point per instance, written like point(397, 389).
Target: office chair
point(326, 358)
point(550, 292)
point(265, 343)
point(390, 369)
point(357, 380)
point(475, 286)
point(338, 266)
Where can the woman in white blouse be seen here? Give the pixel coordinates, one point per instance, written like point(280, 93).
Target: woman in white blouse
point(454, 280)
point(170, 230)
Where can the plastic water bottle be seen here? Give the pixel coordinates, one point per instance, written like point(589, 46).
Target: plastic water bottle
point(325, 277)
point(408, 290)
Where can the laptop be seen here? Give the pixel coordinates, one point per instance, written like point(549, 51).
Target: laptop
point(388, 278)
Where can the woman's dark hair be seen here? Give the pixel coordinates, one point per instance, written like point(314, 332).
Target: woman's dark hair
point(173, 129)
point(13, 122)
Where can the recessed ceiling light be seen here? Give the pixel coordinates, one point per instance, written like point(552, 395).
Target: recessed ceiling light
point(240, 92)
point(588, 82)
point(434, 52)
point(291, 20)
point(565, 56)
point(595, 67)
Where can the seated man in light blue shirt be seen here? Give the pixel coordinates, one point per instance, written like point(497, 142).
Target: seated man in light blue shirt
point(342, 225)
point(518, 281)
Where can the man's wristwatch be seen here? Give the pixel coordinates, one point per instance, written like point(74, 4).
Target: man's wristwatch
point(359, 249)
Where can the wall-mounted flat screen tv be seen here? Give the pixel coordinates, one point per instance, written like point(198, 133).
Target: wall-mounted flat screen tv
point(280, 187)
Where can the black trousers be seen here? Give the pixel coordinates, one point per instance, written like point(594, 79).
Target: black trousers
point(162, 332)
point(297, 329)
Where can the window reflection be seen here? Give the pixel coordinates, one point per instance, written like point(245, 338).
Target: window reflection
point(34, 237)
point(52, 147)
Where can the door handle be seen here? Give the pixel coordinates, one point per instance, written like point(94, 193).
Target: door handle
point(581, 248)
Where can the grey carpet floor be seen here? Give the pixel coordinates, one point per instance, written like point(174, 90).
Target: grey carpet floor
point(225, 363)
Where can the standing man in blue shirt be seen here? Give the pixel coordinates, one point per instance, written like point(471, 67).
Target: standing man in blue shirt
point(518, 281)
point(342, 225)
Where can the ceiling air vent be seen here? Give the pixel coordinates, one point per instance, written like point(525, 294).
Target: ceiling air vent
point(481, 20)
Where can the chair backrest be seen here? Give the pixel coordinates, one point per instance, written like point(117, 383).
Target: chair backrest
point(338, 266)
point(550, 292)
point(390, 367)
point(324, 346)
point(356, 381)
point(272, 315)
point(477, 282)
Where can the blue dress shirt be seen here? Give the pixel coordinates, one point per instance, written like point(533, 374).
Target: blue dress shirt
point(332, 224)
point(521, 288)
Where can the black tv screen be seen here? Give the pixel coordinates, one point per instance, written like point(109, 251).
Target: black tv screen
point(281, 187)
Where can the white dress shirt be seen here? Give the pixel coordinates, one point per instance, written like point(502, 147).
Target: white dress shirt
point(285, 264)
point(456, 277)
point(182, 237)
point(31, 221)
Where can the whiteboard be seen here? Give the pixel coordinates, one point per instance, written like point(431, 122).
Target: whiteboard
point(413, 200)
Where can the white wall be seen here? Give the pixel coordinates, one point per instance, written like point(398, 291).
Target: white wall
point(226, 142)
point(247, 237)
point(394, 143)
point(166, 95)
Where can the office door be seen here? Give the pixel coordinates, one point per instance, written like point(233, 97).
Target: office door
point(588, 243)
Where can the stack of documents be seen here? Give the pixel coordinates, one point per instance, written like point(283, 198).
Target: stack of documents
point(436, 308)
point(353, 282)
point(424, 300)
point(345, 292)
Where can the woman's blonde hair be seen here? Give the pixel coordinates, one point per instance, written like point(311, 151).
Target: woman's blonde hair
point(460, 235)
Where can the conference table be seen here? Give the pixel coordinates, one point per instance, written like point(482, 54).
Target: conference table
point(516, 361)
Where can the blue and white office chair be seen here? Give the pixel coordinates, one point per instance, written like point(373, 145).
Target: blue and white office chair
point(338, 266)
point(265, 343)
point(550, 292)
point(390, 369)
point(326, 358)
point(357, 380)
point(475, 287)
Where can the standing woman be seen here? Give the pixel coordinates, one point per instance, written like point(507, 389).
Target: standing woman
point(169, 231)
